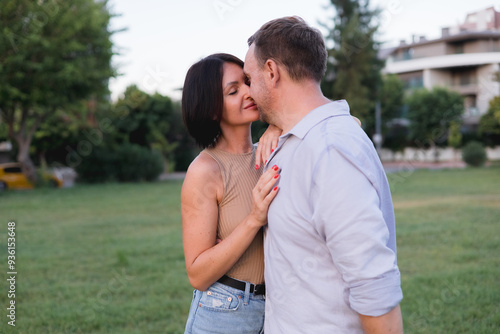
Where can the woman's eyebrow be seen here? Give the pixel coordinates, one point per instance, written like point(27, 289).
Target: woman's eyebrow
point(232, 83)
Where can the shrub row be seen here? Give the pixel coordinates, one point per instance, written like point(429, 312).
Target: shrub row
point(123, 163)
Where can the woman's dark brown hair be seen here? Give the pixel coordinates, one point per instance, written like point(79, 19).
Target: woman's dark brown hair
point(202, 98)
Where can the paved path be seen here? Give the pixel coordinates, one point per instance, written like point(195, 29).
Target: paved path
point(172, 176)
point(390, 167)
point(394, 167)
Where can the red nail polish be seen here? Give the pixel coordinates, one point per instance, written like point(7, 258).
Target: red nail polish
point(276, 176)
point(275, 188)
point(256, 166)
point(272, 151)
point(265, 162)
point(275, 167)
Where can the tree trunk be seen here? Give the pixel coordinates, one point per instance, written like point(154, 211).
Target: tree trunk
point(24, 158)
point(23, 137)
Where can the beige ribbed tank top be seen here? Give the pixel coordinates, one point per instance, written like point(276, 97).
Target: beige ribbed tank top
point(239, 177)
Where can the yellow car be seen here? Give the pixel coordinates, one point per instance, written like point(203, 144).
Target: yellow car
point(12, 177)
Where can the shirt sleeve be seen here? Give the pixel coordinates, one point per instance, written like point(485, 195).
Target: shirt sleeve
point(347, 214)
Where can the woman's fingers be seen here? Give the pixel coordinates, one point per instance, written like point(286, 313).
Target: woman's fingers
point(267, 143)
point(266, 182)
point(264, 192)
point(258, 159)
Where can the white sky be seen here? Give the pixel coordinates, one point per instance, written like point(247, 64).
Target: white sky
point(165, 37)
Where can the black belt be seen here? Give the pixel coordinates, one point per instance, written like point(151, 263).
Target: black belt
point(257, 289)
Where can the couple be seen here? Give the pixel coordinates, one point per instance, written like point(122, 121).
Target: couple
point(321, 199)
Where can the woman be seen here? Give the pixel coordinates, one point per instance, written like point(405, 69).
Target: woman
point(225, 198)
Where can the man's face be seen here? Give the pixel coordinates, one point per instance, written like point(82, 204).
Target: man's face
point(258, 88)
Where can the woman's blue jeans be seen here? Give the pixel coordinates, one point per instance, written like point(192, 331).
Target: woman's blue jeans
point(225, 310)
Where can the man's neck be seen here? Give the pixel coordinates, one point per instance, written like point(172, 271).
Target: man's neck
point(298, 101)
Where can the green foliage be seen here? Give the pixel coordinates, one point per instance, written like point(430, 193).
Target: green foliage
point(474, 154)
point(354, 72)
point(489, 124)
point(391, 96)
point(186, 149)
point(145, 120)
point(3, 131)
point(431, 114)
point(53, 54)
point(394, 130)
point(454, 135)
point(124, 163)
point(136, 163)
point(258, 129)
point(152, 121)
point(396, 135)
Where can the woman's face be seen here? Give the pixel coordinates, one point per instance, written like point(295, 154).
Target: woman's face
point(239, 108)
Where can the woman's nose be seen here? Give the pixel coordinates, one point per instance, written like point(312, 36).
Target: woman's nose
point(246, 92)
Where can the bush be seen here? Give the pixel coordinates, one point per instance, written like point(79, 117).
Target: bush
point(125, 163)
point(98, 166)
point(474, 154)
point(136, 163)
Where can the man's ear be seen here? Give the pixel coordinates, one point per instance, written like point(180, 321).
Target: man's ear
point(272, 72)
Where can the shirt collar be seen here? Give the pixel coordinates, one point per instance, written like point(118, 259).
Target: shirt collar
point(332, 109)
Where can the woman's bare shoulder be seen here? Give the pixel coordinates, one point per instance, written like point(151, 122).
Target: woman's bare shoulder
point(204, 173)
point(203, 166)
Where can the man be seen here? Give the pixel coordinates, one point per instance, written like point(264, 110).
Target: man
point(330, 246)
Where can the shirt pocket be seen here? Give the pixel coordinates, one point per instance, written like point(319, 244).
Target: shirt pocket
point(219, 300)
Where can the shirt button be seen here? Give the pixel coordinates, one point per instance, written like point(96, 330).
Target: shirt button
point(209, 293)
point(229, 299)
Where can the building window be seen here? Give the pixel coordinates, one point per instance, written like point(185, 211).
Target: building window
point(413, 82)
point(407, 54)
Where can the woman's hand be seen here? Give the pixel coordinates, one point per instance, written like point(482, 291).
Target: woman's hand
point(263, 193)
point(267, 143)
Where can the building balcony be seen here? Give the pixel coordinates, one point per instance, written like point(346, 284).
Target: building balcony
point(470, 89)
point(442, 62)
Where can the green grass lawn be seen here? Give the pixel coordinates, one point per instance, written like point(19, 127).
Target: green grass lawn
point(108, 258)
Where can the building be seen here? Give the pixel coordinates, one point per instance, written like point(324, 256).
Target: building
point(465, 59)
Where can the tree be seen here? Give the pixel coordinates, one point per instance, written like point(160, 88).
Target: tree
point(145, 120)
point(454, 136)
point(353, 70)
point(431, 114)
point(52, 54)
point(489, 124)
point(391, 97)
point(394, 127)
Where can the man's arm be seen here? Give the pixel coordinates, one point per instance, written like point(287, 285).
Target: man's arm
point(389, 323)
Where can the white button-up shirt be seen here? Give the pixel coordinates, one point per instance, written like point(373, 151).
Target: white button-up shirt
point(330, 243)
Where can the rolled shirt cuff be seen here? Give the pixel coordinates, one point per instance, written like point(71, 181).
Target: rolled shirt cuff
point(378, 296)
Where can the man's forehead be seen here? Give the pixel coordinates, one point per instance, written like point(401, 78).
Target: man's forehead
point(249, 59)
